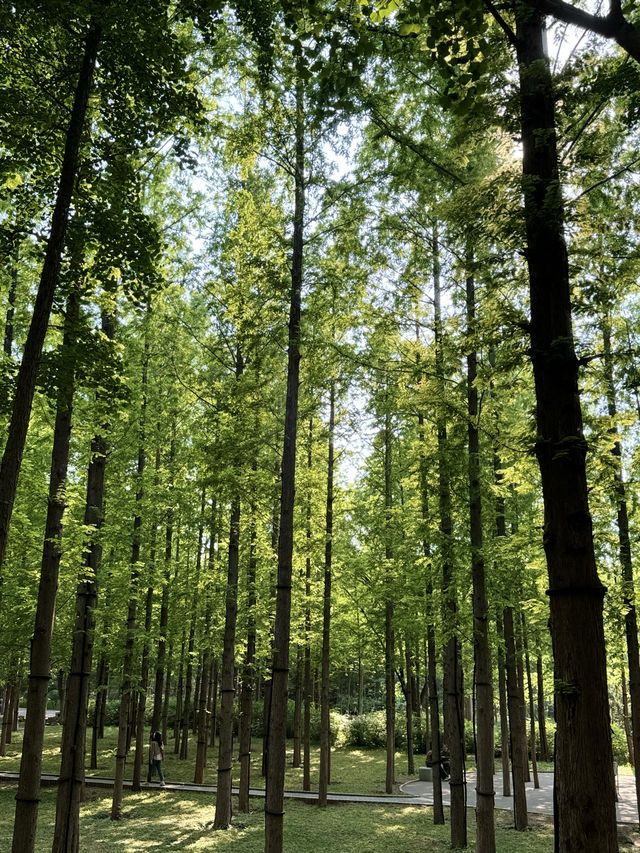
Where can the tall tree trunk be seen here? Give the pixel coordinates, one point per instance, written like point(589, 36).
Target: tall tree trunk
point(532, 719)
point(325, 725)
point(164, 606)
point(485, 828)
point(24, 828)
point(452, 704)
point(66, 837)
point(277, 735)
point(504, 719)
point(100, 681)
point(625, 714)
point(308, 684)
point(222, 817)
point(186, 708)
point(248, 670)
point(516, 725)
point(409, 706)
point(177, 723)
point(389, 639)
point(520, 673)
point(297, 712)
point(27, 373)
point(584, 785)
point(544, 746)
point(142, 695)
point(127, 694)
point(7, 719)
point(433, 716)
point(203, 705)
point(624, 550)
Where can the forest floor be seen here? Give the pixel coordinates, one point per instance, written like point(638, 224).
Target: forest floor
point(169, 819)
point(165, 820)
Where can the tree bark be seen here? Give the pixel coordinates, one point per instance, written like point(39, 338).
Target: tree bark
point(624, 551)
point(297, 712)
point(27, 373)
point(485, 828)
point(186, 708)
point(308, 683)
point(24, 828)
point(584, 785)
point(277, 734)
point(389, 638)
point(127, 694)
point(532, 719)
point(66, 837)
point(504, 719)
point(516, 725)
point(432, 681)
point(452, 705)
point(325, 724)
point(248, 670)
point(408, 694)
point(203, 705)
point(164, 605)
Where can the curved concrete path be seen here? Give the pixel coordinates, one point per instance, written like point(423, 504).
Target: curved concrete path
point(538, 801)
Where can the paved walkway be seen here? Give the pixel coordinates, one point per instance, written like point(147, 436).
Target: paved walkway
point(538, 801)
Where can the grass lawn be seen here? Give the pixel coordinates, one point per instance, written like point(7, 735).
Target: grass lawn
point(166, 820)
point(353, 771)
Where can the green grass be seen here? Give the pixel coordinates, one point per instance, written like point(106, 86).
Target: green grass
point(354, 771)
point(166, 820)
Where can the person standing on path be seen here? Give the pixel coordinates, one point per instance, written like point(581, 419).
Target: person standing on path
point(156, 754)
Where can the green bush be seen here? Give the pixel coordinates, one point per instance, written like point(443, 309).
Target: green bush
point(619, 742)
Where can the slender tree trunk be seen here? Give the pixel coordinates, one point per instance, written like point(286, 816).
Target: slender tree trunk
point(308, 684)
point(504, 719)
point(624, 549)
point(177, 723)
point(544, 746)
point(584, 785)
point(214, 703)
point(409, 707)
point(516, 725)
point(225, 754)
point(142, 695)
point(485, 828)
point(452, 704)
point(167, 696)
point(24, 828)
point(7, 720)
point(625, 714)
point(297, 712)
point(277, 735)
point(248, 670)
point(27, 373)
point(164, 606)
point(432, 681)
point(66, 837)
point(126, 690)
point(389, 640)
point(222, 817)
point(100, 678)
point(203, 705)
point(186, 708)
point(325, 725)
point(532, 720)
point(520, 672)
